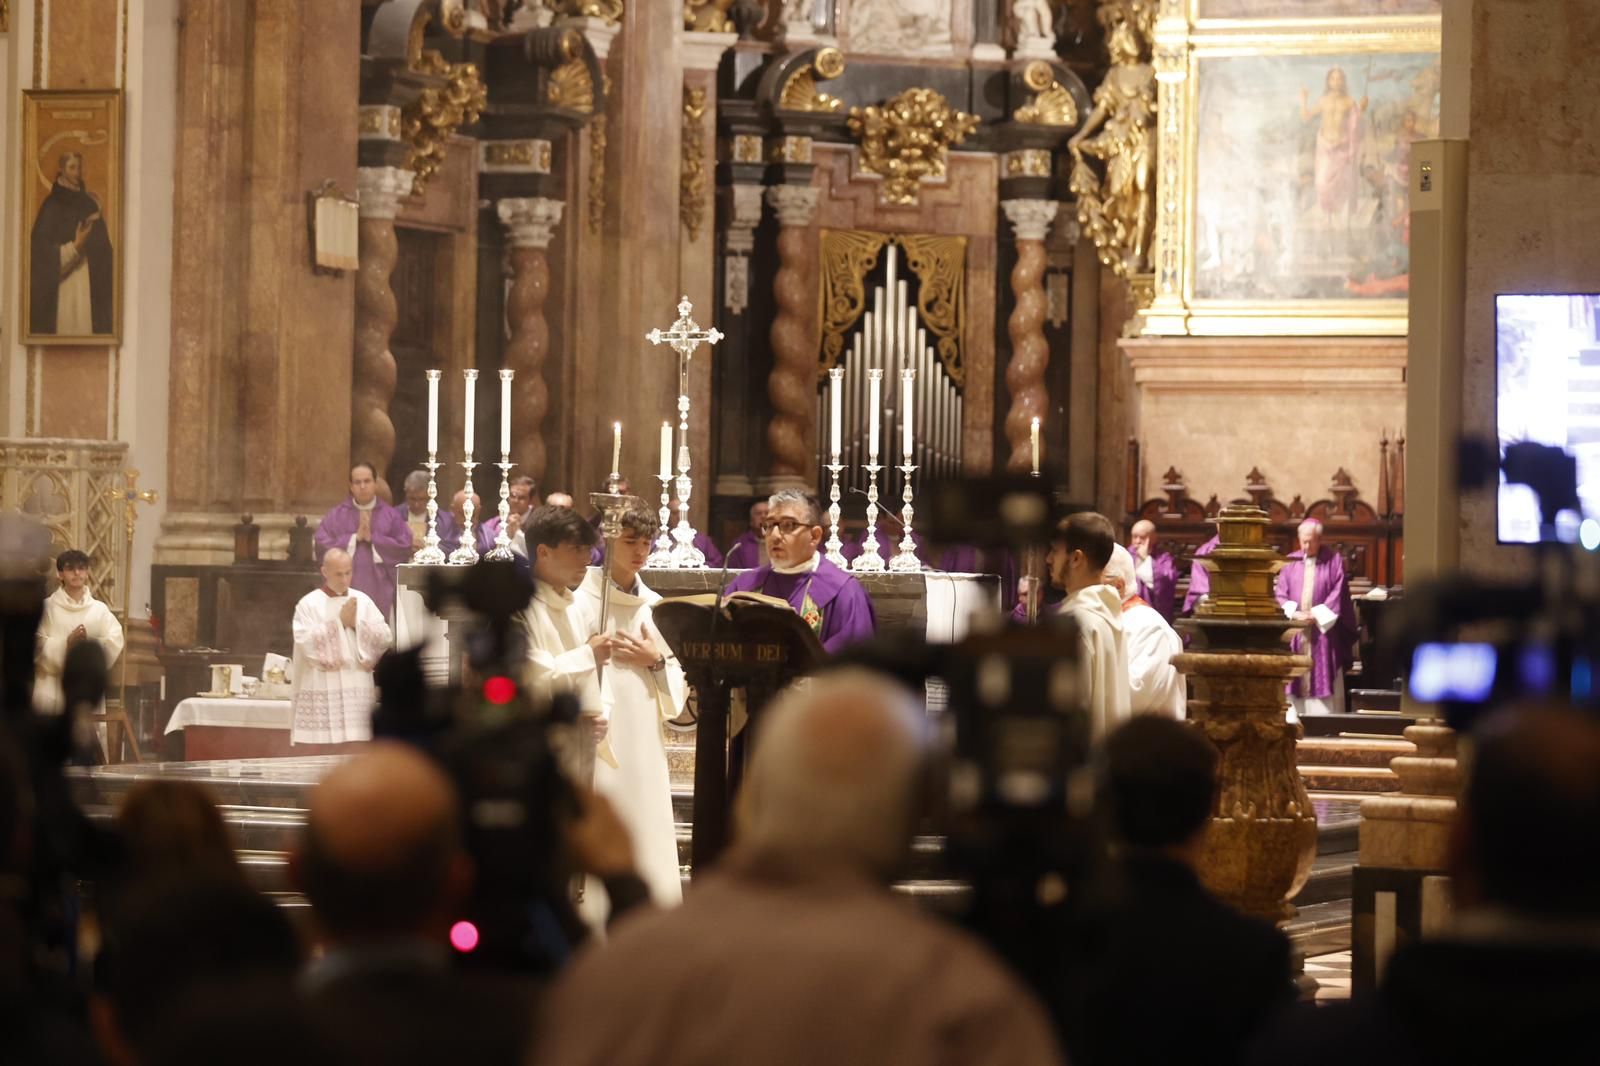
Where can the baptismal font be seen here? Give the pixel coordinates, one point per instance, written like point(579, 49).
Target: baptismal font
point(1263, 835)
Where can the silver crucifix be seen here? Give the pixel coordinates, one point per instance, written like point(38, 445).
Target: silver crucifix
point(683, 337)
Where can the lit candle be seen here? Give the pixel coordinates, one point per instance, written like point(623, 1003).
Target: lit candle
point(433, 412)
point(907, 376)
point(505, 411)
point(1034, 437)
point(616, 447)
point(666, 450)
point(471, 377)
point(874, 403)
point(835, 421)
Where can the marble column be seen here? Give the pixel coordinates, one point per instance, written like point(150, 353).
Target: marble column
point(530, 223)
point(1030, 352)
point(380, 190)
point(792, 385)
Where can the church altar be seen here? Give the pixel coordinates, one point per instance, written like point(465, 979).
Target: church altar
point(234, 728)
point(938, 605)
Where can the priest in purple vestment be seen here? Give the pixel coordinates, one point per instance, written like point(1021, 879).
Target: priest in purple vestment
point(1199, 578)
point(521, 497)
point(1156, 571)
point(377, 539)
point(829, 600)
point(413, 511)
point(746, 553)
point(1312, 589)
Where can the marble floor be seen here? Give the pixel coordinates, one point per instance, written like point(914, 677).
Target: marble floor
point(1332, 974)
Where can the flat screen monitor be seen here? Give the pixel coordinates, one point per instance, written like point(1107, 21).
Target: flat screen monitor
point(1547, 372)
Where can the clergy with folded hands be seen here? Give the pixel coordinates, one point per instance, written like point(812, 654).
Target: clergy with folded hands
point(1312, 588)
point(827, 599)
point(339, 636)
point(371, 533)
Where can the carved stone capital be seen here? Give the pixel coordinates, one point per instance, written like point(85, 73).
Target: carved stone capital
point(530, 221)
point(795, 205)
point(1030, 218)
point(703, 51)
point(380, 190)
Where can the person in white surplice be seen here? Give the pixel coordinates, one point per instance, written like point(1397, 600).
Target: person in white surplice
point(339, 635)
point(71, 614)
point(643, 687)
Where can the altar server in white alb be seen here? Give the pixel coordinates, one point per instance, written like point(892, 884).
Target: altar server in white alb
point(1078, 556)
point(339, 636)
point(1154, 684)
point(565, 647)
point(71, 615)
point(641, 688)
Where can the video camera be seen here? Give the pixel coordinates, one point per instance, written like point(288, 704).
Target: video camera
point(504, 750)
point(1013, 791)
point(1469, 643)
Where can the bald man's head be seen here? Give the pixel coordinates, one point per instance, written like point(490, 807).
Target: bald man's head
point(337, 571)
point(382, 852)
point(1527, 836)
point(834, 777)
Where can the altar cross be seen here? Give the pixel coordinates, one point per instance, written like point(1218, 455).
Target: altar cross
point(684, 335)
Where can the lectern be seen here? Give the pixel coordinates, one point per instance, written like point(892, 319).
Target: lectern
point(753, 642)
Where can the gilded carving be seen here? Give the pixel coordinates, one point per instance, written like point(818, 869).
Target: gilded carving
point(517, 155)
point(379, 121)
point(692, 188)
point(1052, 104)
point(939, 263)
point(608, 11)
point(800, 92)
point(792, 149)
point(571, 87)
point(707, 16)
point(907, 140)
point(1116, 210)
point(1027, 163)
point(747, 148)
point(5, 16)
point(438, 112)
point(597, 174)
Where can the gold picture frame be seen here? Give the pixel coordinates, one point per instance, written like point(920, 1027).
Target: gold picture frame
point(1281, 182)
point(72, 217)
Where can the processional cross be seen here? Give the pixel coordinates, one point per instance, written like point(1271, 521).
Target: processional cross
point(683, 337)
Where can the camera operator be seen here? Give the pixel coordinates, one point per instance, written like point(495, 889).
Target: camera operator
point(384, 866)
point(793, 950)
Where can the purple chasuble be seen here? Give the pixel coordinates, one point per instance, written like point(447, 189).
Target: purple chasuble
point(745, 553)
point(970, 559)
point(888, 546)
point(1334, 650)
point(390, 536)
point(846, 609)
point(1199, 577)
point(1163, 587)
point(449, 535)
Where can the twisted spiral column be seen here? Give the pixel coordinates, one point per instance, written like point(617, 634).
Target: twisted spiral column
point(530, 223)
point(379, 190)
point(792, 385)
point(1030, 352)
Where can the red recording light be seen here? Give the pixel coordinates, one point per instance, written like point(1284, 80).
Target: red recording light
point(463, 936)
point(499, 690)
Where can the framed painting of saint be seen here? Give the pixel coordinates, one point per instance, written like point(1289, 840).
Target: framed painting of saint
point(1287, 149)
point(72, 205)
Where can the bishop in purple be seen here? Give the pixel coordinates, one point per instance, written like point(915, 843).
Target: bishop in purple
point(377, 538)
point(1199, 577)
point(413, 511)
point(1312, 589)
point(1156, 572)
point(826, 598)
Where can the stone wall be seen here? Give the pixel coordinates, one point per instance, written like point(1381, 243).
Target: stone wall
point(1533, 196)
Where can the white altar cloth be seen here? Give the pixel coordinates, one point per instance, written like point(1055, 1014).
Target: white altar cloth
point(237, 713)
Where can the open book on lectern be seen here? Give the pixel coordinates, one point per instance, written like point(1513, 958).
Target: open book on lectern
point(756, 633)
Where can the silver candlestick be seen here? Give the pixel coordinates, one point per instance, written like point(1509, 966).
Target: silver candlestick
point(430, 554)
point(905, 560)
point(466, 552)
point(869, 561)
point(661, 550)
point(501, 552)
point(685, 556)
point(835, 552)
